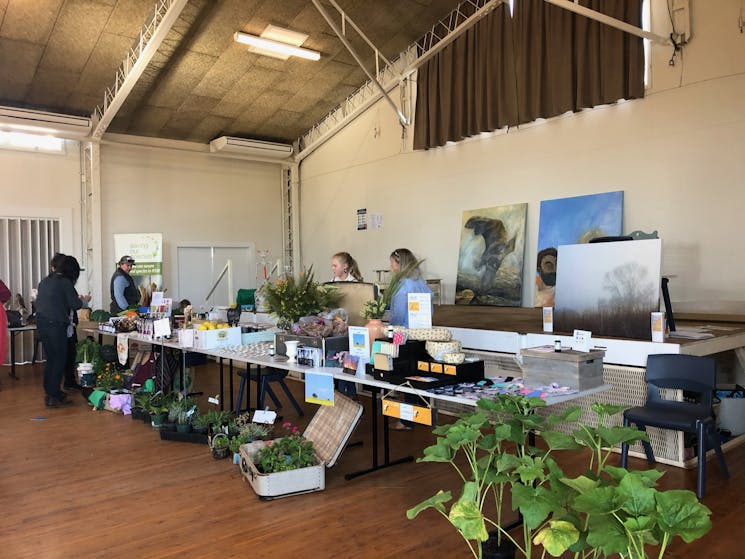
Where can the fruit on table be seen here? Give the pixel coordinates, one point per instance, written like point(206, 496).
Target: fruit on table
point(209, 325)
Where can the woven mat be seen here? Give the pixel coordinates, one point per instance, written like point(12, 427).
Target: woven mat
point(332, 426)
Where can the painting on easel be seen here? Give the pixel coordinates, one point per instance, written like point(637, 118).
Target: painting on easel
point(568, 221)
point(490, 258)
point(609, 289)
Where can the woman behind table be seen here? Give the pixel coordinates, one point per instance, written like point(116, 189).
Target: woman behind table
point(345, 267)
point(56, 299)
point(404, 259)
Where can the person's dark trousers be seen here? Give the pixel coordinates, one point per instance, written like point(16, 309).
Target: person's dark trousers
point(70, 377)
point(54, 340)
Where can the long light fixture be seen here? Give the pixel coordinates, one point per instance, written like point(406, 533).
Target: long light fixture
point(276, 46)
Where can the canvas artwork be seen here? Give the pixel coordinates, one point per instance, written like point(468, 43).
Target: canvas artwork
point(609, 288)
point(490, 259)
point(568, 221)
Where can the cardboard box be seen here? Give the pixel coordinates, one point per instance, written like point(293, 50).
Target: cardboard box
point(211, 339)
point(333, 344)
point(576, 369)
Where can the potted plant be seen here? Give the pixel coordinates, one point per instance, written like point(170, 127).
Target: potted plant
point(183, 422)
point(110, 378)
point(615, 511)
point(140, 407)
point(219, 446)
point(592, 515)
point(200, 424)
point(158, 409)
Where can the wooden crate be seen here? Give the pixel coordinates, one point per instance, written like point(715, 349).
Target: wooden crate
point(576, 369)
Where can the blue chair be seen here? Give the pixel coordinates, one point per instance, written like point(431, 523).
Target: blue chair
point(696, 375)
point(267, 377)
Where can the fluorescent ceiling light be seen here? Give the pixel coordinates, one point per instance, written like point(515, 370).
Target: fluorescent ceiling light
point(271, 45)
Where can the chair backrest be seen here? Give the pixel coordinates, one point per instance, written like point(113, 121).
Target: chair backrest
point(689, 373)
point(354, 296)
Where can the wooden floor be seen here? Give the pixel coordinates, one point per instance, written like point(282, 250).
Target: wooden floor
point(81, 483)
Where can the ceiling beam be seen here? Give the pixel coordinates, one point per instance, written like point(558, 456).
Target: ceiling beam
point(342, 37)
point(613, 22)
point(134, 64)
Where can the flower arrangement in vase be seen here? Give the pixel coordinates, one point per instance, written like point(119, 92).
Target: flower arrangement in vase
point(290, 298)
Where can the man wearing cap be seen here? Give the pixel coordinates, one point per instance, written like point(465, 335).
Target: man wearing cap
point(124, 293)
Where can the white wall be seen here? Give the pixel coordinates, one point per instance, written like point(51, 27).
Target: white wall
point(44, 185)
point(192, 198)
point(678, 154)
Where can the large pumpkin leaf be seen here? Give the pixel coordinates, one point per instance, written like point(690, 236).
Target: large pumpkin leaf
point(681, 514)
point(557, 537)
point(437, 501)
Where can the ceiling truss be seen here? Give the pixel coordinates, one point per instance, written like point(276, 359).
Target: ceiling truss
point(135, 63)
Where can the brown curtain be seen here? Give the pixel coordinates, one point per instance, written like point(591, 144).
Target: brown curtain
point(457, 93)
point(609, 62)
point(541, 63)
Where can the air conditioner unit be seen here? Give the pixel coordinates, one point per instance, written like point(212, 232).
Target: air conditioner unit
point(42, 122)
point(256, 148)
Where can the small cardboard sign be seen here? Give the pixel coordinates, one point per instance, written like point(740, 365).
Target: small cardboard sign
point(399, 410)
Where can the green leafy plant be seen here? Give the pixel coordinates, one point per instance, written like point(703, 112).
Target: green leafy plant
point(255, 431)
point(158, 403)
point(290, 297)
point(616, 511)
point(201, 420)
point(89, 351)
point(373, 309)
point(216, 419)
point(220, 443)
point(607, 511)
point(291, 452)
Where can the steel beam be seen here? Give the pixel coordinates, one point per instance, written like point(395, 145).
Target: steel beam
point(339, 33)
point(134, 64)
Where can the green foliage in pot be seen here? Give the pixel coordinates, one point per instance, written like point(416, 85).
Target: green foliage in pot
point(158, 403)
point(615, 511)
point(238, 440)
point(255, 431)
point(89, 351)
point(216, 419)
point(291, 452)
point(606, 511)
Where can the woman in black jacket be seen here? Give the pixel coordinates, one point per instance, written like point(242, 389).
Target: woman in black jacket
point(56, 299)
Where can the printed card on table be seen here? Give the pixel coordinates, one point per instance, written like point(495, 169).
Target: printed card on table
point(319, 388)
point(420, 310)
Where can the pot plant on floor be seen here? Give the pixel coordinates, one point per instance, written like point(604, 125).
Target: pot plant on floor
point(219, 446)
point(608, 511)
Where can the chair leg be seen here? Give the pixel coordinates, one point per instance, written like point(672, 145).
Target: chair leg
point(648, 449)
point(700, 481)
point(625, 448)
point(716, 444)
point(268, 390)
point(241, 388)
point(290, 397)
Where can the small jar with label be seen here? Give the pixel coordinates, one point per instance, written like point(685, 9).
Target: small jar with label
point(557, 345)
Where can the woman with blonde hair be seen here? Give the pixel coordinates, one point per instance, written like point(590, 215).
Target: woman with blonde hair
point(345, 267)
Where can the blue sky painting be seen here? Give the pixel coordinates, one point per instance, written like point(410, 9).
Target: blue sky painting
point(569, 221)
